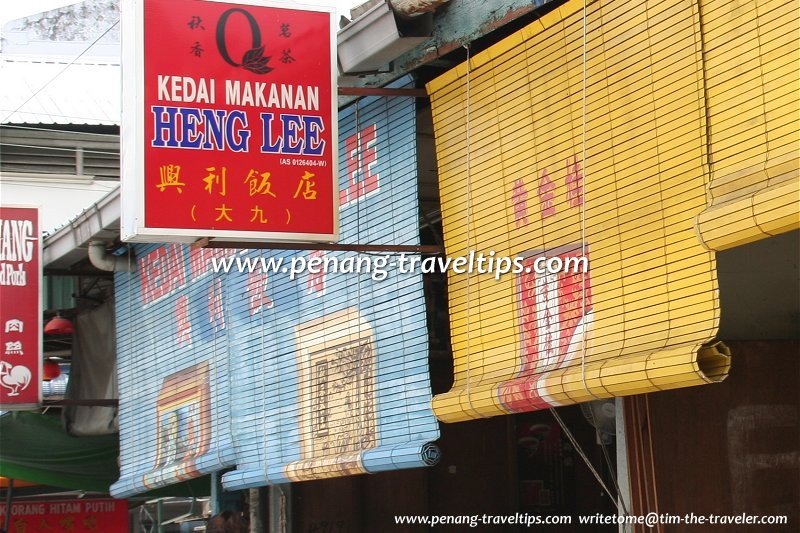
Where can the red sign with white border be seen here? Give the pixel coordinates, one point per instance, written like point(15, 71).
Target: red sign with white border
point(20, 308)
point(73, 516)
point(229, 121)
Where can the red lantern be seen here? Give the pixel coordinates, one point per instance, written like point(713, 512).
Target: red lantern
point(58, 326)
point(50, 370)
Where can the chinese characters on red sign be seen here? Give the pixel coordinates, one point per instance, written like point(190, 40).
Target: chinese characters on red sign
point(238, 122)
point(20, 322)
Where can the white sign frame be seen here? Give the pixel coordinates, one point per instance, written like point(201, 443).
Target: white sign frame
point(132, 138)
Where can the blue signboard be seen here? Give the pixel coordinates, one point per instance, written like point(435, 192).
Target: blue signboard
point(287, 365)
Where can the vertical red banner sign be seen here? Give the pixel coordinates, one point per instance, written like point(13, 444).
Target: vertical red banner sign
point(20, 308)
point(229, 121)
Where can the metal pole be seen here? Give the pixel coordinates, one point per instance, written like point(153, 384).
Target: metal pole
point(9, 496)
point(256, 518)
point(216, 496)
point(79, 161)
point(280, 508)
point(109, 402)
point(382, 91)
point(160, 515)
point(338, 247)
point(623, 475)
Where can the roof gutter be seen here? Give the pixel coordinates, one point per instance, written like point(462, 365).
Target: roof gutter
point(380, 35)
point(67, 245)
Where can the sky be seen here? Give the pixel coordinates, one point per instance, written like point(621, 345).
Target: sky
point(12, 9)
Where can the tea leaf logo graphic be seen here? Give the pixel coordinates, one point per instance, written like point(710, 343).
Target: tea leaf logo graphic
point(254, 61)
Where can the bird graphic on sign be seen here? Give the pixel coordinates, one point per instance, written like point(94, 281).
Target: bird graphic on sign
point(14, 378)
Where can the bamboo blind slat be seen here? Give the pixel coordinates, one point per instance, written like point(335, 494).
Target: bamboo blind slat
point(753, 61)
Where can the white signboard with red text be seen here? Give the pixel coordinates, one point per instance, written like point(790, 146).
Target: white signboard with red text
point(229, 121)
point(20, 308)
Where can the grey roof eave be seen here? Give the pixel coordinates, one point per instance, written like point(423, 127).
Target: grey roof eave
point(68, 245)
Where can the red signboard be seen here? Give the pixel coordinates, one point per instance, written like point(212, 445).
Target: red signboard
point(229, 122)
point(68, 516)
point(20, 308)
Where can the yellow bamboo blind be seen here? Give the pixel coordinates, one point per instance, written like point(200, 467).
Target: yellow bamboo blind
point(514, 180)
point(752, 54)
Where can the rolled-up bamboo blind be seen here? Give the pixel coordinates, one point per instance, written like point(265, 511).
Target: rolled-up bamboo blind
point(172, 369)
point(536, 159)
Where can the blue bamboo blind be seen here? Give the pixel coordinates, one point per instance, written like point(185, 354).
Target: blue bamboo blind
point(284, 379)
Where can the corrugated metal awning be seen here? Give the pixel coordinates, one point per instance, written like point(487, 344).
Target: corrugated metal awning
point(77, 93)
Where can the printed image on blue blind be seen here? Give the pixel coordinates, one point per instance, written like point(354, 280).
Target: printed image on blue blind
point(330, 370)
point(172, 358)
